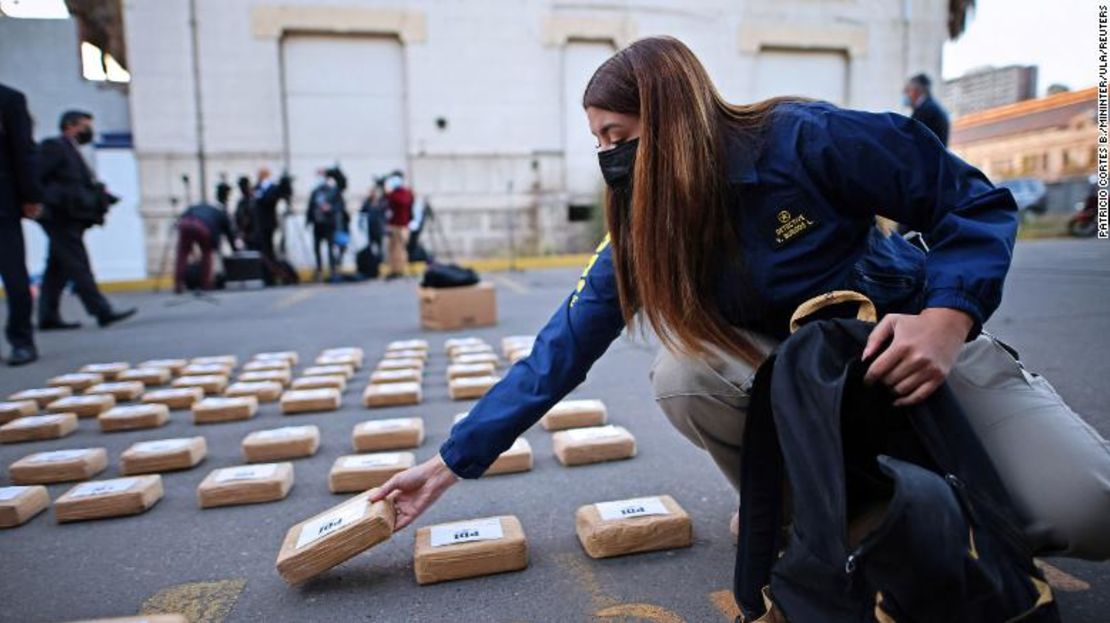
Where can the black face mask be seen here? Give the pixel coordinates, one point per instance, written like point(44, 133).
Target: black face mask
point(84, 137)
point(617, 163)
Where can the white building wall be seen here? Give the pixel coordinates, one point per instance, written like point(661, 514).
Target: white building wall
point(490, 68)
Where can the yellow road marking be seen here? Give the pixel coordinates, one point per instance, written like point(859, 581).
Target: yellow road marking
point(726, 603)
point(639, 612)
point(200, 602)
point(299, 296)
point(1060, 579)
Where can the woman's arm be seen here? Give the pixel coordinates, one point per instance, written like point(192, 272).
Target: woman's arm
point(577, 335)
point(889, 165)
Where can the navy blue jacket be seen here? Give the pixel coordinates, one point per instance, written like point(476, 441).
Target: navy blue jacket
point(805, 207)
point(934, 117)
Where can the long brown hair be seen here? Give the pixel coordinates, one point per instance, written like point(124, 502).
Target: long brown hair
point(673, 235)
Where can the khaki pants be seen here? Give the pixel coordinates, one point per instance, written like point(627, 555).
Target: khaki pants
point(398, 249)
point(1054, 465)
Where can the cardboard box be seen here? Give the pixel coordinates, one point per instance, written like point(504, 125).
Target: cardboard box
point(389, 434)
point(512, 343)
point(336, 382)
point(408, 363)
point(458, 370)
point(284, 355)
point(575, 414)
point(279, 444)
point(408, 375)
point(275, 376)
point(82, 406)
point(122, 391)
point(163, 455)
point(445, 309)
point(452, 343)
point(206, 369)
point(344, 371)
point(43, 468)
point(359, 472)
point(15, 409)
point(211, 385)
point(226, 360)
point(415, 344)
point(339, 360)
point(42, 395)
point(175, 397)
point(353, 351)
point(146, 376)
point(224, 409)
point(518, 458)
point(245, 484)
point(108, 370)
point(133, 417)
point(467, 549)
point(593, 444)
point(470, 387)
point(18, 504)
point(422, 355)
point(78, 381)
point(38, 428)
point(117, 497)
point(489, 358)
point(264, 365)
point(622, 527)
point(392, 394)
point(173, 365)
point(310, 400)
point(262, 391)
point(333, 537)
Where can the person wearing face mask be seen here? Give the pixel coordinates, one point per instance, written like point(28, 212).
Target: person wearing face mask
point(74, 201)
point(917, 96)
point(723, 219)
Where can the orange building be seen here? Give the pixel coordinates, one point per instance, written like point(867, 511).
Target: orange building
point(1050, 138)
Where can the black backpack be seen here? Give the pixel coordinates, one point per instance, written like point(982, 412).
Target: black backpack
point(368, 263)
point(898, 514)
point(448, 276)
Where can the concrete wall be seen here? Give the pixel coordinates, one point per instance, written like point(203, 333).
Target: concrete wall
point(492, 69)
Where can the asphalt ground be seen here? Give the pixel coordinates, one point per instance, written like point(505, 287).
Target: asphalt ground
point(218, 564)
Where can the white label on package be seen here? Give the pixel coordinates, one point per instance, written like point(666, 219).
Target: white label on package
point(311, 394)
point(593, 432)
point(161, 445)
point(58, 455)
point(221, 403)
point(396, 388)
point(89, 489)
point(466, 531)
point(130, 411)
point(332, 522)
point(35, 420)
point(246, 472)
point(392, 424)
point(10, 493)
point(636, 507)
point(387, 459)
point(283, 433)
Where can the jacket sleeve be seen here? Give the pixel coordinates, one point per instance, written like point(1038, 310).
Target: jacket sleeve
point(893, 166)
point(21, 149)
point(51, 161)
point(577, 334)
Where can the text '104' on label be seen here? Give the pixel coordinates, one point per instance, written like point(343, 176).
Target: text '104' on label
point(465, 532)
point(626, 509)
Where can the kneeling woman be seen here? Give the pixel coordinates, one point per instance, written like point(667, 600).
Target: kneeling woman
point(723, 219)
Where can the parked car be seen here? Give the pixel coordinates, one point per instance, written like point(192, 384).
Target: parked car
point(1029, 193)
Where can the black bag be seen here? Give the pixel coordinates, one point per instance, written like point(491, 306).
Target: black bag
point(368, 263)
point(898, 514)
point(448, 276)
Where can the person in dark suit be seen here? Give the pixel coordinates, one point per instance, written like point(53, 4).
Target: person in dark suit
point(74, 202)
point(917, 94)
point(20, 198)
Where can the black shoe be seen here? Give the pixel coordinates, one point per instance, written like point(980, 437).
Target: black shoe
point(58, 325)
point(113, 317)
point(22, 355)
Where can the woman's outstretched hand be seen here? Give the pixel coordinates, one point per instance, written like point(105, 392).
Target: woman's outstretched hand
point(923, 348)
point(415, 489)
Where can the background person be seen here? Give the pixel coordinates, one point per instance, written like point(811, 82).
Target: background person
point(266, 198)
point(202, 227)
point(400, 215)
point(724, 218)
point(244, 213)
point(327, 216)
point(917, 94)
point(74, 201)
point(20, 198)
